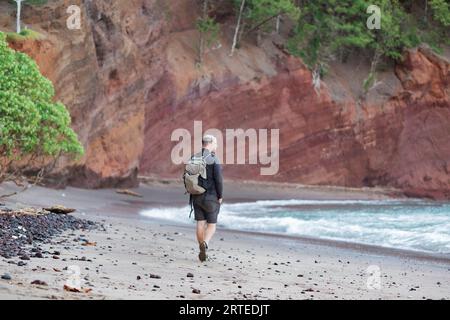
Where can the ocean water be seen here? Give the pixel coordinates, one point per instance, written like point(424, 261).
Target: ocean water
point(413, 225)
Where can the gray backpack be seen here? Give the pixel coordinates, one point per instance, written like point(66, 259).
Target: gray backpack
point(195, 168)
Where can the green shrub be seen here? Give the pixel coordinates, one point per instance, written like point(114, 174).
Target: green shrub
point(32, 125)
point(261, 13)
point(26, 34)
point(208, 29)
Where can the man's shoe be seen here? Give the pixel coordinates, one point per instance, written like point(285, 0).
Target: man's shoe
point(202, 255)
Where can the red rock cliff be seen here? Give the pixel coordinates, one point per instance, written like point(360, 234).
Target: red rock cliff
point(129, 78)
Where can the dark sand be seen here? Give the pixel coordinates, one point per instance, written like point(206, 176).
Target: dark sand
point(144, 259)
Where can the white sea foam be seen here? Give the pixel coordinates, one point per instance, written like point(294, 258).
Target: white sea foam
point(413, 225)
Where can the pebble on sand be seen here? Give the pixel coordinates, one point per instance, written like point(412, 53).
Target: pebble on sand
point(6, 276)
point(39, 283)
point(20, 229)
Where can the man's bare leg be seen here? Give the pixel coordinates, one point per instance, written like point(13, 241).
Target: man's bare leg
point(201, 227)
point(209, 233)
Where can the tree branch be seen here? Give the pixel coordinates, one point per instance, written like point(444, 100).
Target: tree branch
point(259, 25)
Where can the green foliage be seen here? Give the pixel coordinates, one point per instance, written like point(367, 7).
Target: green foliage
point(369, 82)
point(209, 29)
point(259, 13)
point(32, 2)
point(262, 11)
point(331, 29)
point(26, 34)
point(31, 124)
point(397, 33)
point(322, 30)
point(441, 11)
point(36, 2)
point(437, 32)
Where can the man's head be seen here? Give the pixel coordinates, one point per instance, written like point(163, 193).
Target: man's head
point(210, 143)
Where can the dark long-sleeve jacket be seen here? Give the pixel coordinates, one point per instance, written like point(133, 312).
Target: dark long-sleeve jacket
point(214, 181)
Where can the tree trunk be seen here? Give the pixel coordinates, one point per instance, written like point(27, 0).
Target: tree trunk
point(375, 60)
point(238, 25)
point(201, 49)
point(371, 80)
point(426, 11)
point(316, 79)
point(19, 9)
point(278, 24)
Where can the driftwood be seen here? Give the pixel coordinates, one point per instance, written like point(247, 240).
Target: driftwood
point(129, 193)
point(76, 290)
point(59, 210)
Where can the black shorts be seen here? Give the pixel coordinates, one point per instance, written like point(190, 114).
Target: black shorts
point(206, 208)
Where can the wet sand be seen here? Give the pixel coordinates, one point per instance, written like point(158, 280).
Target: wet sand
point(145, 259)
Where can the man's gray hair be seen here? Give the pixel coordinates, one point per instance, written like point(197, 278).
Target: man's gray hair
point(209, 139)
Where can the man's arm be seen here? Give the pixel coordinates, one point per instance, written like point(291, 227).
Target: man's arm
point(218, 180)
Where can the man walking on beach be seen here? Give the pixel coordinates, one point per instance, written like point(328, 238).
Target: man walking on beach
point(207, 205)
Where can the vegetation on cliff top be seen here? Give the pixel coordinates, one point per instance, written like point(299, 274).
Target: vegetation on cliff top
point(24, 35)
point(33, 128)
point(327, 30)
point(332, 30)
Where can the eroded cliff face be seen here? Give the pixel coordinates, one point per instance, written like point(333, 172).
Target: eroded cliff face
point(103, 74)
point(129, 79)
point(412, 150)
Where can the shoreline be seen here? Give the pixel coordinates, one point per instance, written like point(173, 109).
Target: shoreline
point(158, 255)
point(347, 245)
point(278, 188)
point(169, 194)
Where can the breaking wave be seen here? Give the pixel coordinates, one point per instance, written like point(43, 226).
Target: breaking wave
point(413, 225)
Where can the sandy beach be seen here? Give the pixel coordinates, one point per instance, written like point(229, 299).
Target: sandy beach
point(138, 258)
